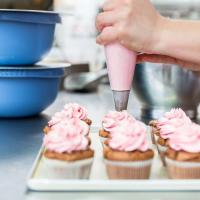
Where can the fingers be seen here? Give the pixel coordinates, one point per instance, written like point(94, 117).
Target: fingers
point(156, 58)
point(111, 4)
point(108, 35)
point(153, 58)
point(105, 19)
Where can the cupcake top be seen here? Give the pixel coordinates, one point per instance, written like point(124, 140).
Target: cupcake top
point(175, 113)
point(130, 136)
point(186, 138)
point(71, 110)
point(67, 136)
point(171, 121)
point(114, 119)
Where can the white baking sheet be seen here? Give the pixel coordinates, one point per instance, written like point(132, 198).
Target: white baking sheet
point(38, 180)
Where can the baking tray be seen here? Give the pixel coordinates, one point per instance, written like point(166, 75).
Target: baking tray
point(98, 180)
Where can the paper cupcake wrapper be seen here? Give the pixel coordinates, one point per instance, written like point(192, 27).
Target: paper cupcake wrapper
point(182, 170)
point(102, 140)
point(153, 129)
point(56, 169)
point(161, 151)
point(128, 170)
point(156, 138)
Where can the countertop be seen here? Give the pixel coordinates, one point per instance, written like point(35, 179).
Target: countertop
point(20, 140)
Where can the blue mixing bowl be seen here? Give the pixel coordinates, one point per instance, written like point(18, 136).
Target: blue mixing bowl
point(28, 91)
point(26, 36)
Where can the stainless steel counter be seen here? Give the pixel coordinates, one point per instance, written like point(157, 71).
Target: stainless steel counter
point(21, 139)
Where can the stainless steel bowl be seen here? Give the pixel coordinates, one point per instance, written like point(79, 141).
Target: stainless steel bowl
point(161, 87)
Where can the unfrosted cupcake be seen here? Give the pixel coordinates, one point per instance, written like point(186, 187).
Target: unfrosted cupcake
point(67, 152)
point(183, 155)
point(71, 110)
point(127, 155)
point(111, 121)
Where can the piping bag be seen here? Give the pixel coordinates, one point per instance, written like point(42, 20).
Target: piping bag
point(121, 66)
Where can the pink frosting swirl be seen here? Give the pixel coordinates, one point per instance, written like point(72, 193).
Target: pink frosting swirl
point(114, 119)
point(175, 113)
point(57, 118)
point(129, 137)
point(74, 110)
point(71, 110)
point(186, 138)
point(171, 121)
point(67, 136)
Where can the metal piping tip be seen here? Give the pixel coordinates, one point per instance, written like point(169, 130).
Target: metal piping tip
point(121, 99)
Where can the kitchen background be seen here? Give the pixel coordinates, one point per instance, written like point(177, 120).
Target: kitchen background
point(155, 94)
point(75, 43)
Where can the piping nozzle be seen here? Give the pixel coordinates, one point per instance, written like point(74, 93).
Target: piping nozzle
point(121, 99)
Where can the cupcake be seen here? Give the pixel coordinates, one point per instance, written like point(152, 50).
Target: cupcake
point(175, 116)
point(111, 121)
point(154, 130)
point(71, 110)
point(166, 127)
point(183, 155)
point(127, 155)
point(67, 153)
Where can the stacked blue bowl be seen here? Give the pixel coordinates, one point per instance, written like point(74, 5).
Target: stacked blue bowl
point(27, 88)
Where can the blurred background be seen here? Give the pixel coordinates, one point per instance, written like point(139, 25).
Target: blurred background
point(157, 87)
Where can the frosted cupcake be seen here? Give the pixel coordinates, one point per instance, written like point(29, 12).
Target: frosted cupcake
point(111, 121)
point(183, 155)
point(175, 116)
point(127, 155)
point(67, 152)
point(167, 126)
point(71, 110)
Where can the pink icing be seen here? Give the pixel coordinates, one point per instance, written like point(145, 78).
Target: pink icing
point(128, 137)
point(175, 113)
point(71, 110)
point(74, 110)
point(121, 66)
point(171, 121)
point(67, 136)
point(58, 117)
point(114, 119)
point(186, 138)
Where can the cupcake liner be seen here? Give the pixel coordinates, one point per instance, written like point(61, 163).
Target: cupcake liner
point(128, 170)
point(56, 169)
point(161, 151)
point(156, 138)
point(102, 140)
point(182, 170)
point(153, 129)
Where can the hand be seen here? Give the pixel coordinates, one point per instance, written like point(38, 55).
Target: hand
point(134, 23)
point(153, 58)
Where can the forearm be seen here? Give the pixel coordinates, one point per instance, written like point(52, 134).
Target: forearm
point(179, 39)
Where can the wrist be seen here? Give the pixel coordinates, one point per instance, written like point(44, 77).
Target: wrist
point(160, 38)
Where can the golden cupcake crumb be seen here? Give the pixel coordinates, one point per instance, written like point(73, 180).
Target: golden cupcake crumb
point(74, 156)
point(182, 156)
point(114, 155)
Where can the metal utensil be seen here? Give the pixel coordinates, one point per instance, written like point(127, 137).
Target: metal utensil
point(84, 80)
point(161, 87)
